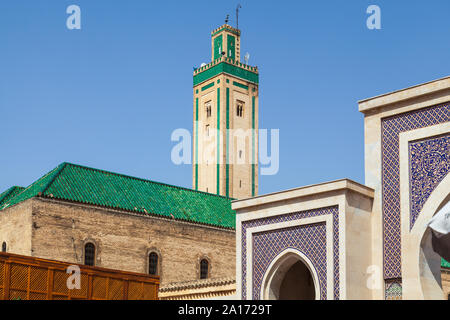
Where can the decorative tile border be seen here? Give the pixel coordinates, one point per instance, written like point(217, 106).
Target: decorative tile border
point(309, 239)
point(391, 127)
point(429, 163)
point(393, 289)
point(334, 211)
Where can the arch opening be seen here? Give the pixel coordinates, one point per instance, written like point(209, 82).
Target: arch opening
point(297, 283)
point(290, 277)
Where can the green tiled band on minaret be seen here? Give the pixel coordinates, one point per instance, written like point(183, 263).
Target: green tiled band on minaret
point(224, 67)
point(235, 31)
point(231, 45)
point(227, 166)
point(218, 141)
point(196, 144)
point(218, 47)
point(237, 84)
point(208, 86)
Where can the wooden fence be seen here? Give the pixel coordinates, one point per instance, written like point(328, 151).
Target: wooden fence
point(27, 278)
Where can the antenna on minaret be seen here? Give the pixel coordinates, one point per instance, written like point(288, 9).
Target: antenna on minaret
point(237, 15)
point(227, 19)
point(246, 58)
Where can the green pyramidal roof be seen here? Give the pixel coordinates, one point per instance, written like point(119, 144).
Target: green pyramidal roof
point(81, 184)
point(9, 194)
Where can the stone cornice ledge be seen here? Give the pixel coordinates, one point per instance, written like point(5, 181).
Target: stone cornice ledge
point(326, 187)
point(404, 94)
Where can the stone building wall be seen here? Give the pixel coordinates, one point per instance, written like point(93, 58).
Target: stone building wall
point(15, 228)
point(123, 241)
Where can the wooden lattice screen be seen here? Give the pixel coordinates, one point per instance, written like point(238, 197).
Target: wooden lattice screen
point(27, 278)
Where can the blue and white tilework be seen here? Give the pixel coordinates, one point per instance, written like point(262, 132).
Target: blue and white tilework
point(391, 128)
point(393, 290)
point(429, 163)
point(309, 239)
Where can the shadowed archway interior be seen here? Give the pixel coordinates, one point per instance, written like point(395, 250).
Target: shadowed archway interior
point(297, 284)
point(290, 278)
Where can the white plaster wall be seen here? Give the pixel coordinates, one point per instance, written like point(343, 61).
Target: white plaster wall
point(358, 255)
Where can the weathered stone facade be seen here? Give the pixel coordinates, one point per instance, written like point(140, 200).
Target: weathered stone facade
point(58, 230)
point(15, 228)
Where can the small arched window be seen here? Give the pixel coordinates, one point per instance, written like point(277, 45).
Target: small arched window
point(240, 109)
point(204, 269)
point(208, 109)
point(153, 263)
point(89, 254)
point(4, 246)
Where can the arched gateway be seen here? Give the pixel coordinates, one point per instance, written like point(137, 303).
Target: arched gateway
point(291, 277)
point(370, 241)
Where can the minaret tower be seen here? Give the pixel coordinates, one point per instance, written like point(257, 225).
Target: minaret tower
point(225, 140)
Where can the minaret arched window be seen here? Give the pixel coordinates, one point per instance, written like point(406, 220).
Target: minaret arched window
point(153, 263)
point(204, 269)
point(89, 254)
point(208, 109)
point(240, 109)
point(4, 246)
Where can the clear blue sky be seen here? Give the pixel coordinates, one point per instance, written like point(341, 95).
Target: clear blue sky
point(103, 96)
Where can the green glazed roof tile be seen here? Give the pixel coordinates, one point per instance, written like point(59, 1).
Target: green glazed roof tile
point(81, 184)
point(445, 264)
point(9, 194)
point(33, 190)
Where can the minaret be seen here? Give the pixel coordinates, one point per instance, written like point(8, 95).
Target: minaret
point(225, 140)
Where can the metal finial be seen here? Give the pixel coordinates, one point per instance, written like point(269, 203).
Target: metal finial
point(227, 19)
point(237, 15)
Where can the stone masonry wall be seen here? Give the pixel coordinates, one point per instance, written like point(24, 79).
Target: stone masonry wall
point(123, 241)
point(15, 228)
